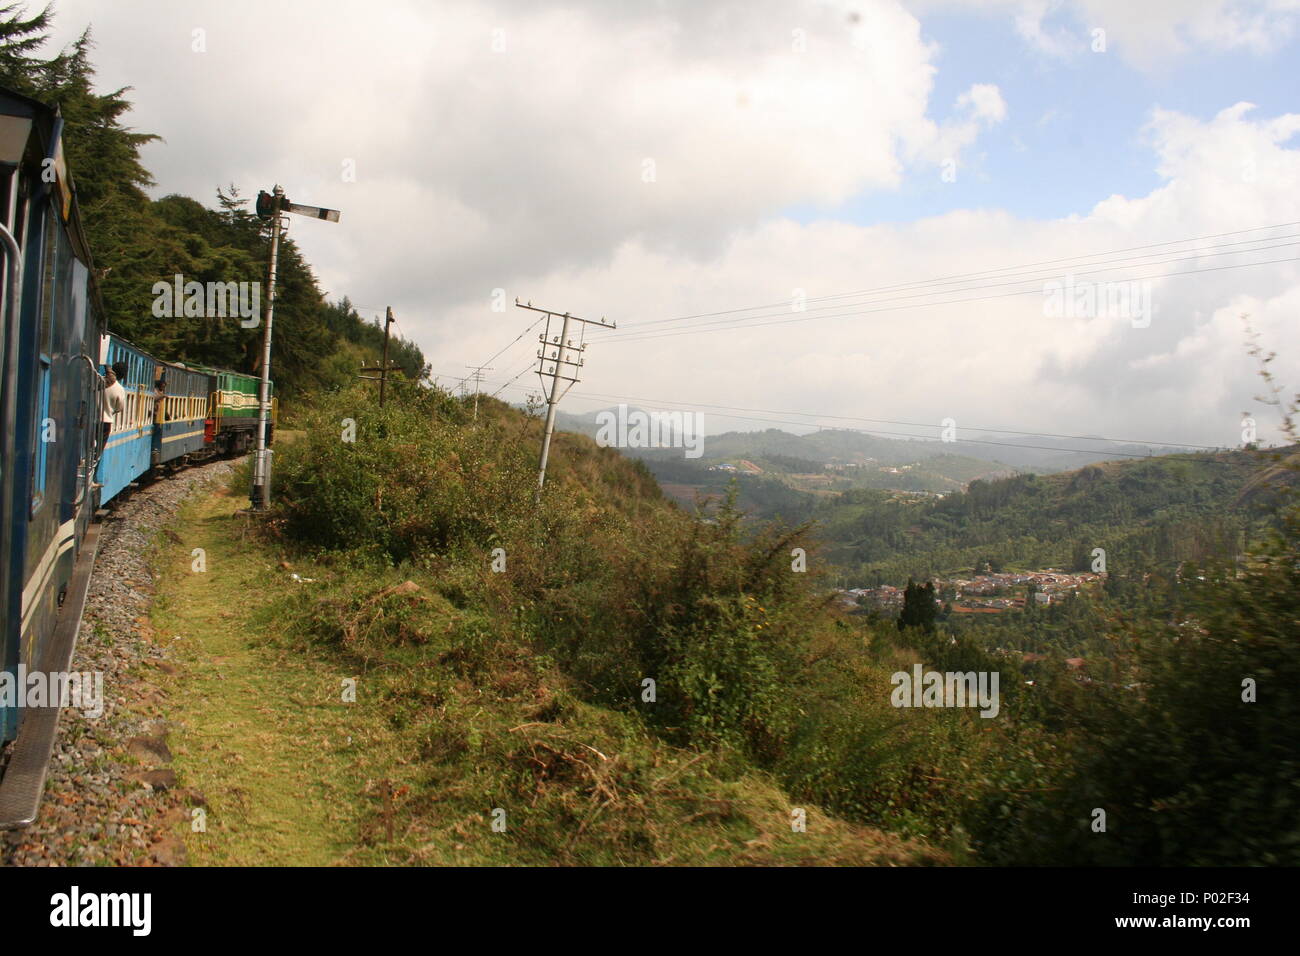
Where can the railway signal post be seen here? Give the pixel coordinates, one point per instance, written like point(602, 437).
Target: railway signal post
point(272, 206)
point(557, 350)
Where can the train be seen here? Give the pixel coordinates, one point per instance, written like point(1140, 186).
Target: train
point(61, 470)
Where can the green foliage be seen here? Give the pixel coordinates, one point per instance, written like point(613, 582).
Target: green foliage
point(919, 608)
point(1188, 771)
point(1145, 514)
point(606, 586)
point(401, 490)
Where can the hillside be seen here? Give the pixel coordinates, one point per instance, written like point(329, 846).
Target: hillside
point(979, 453)
point(791, 476)
point(1152, 512)
point(565, 662)
point(613, 672)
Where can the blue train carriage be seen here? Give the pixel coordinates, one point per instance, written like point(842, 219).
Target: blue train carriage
point(49, 409)
point(181, 413)
point(129, 452)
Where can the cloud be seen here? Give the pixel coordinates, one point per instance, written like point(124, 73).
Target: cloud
point(987, 362)
point(524, 138)
point(507, 147)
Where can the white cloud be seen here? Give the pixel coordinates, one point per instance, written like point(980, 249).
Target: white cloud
point(999, 362)
point(536, 155)
point(523, 169)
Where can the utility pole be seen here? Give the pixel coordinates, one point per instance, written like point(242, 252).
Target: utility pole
point(384, 368)
point(383, 374)
point(272, 206)
point(478, 381)
point(559, 348)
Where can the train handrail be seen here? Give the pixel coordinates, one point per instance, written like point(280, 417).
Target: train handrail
point(100, 405)
point(9, 400)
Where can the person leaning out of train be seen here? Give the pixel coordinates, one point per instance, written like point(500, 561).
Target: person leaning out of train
point(114, 400)
point(114, 403)
point(160, 397)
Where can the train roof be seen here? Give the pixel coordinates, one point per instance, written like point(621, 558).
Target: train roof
point(187, 366)
point(218, 369)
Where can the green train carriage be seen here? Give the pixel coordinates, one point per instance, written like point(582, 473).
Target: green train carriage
point(231, 427)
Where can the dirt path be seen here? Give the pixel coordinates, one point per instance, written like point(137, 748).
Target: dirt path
point(261, 732)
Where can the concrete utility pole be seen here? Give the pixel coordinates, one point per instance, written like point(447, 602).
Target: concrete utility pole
point(271, 206)
point(478, 381)
point(556, 350)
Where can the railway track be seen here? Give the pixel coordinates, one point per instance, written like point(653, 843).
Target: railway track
point(109, 797)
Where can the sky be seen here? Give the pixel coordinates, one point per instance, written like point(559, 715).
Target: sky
point(1019, 214)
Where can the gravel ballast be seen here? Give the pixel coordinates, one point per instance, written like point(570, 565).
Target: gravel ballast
point(110, 798)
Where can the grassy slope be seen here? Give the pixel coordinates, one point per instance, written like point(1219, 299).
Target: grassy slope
point(292, 775)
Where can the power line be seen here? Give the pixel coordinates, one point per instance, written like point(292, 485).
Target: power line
point(973, 441)
point(985, 272)
point(517, 338)
point(744, 321)
point(1201, 254)
point(522, 372)
point(886, 421)
point(478, 383)
point(738, 324)
point(567, 362)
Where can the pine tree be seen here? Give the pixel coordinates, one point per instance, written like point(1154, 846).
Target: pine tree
point(20, 39)
point(919, 607)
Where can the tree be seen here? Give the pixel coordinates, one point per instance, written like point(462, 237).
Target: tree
point(20, 38)
point(919, 607)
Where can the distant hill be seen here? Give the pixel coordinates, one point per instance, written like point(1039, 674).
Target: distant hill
point(844, 445)
point(796, 471)
point(1148, 515)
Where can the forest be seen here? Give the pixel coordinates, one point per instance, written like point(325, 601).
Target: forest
point(1146, 514)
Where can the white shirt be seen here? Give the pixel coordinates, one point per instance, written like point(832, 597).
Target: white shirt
point(114, 401)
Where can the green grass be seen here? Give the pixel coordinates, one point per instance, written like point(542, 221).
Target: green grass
point(281, 761)
point(292, 775)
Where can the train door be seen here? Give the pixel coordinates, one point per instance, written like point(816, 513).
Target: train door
point(158, 382)
point(79, 418)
